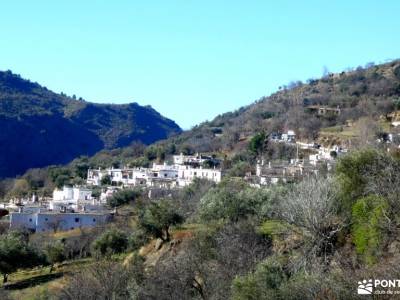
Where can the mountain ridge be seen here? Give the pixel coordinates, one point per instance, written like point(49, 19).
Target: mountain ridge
point(41, 127)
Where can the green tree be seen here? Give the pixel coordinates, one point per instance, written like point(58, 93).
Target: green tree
point(257, 143)
point(354, 171)
point(106, 180)
point(151, 153)
point(81, 167)
point(60, 176)
point(15, 253)
point(110, 242)
point(368, 216)
point(157, 218)
point(232, 200)
point(123, 197)
point(54, 253)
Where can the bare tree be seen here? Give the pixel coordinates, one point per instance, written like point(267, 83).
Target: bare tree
point(312, 207)
point(206, 265)
point(102, 280)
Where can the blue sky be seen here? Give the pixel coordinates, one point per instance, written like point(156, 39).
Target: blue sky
point(190, 60)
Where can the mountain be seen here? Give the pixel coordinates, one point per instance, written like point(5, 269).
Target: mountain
point(371, 92)
point(40, 127)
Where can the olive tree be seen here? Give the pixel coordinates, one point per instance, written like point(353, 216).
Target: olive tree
point(157, 218)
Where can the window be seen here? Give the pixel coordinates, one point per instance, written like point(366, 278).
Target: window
point(46, 219)
point(76, 220)
point(94, 220)
point(30, 220)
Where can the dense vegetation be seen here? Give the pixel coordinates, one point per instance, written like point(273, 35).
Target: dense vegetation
point(41, 128)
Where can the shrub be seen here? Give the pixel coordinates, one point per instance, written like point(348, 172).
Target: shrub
point(123, 197)
point(352, 171)
point(367, 230)
point(137, 240)
point(54, 253)
point(232, 199)
point(263, 283)
point(15, 253)
point(239, 169)
point(106, 180)
point(257, 143)
point(312, 207)
point(110, 242)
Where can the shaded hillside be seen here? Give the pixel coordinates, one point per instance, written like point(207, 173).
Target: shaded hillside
point(40, 127)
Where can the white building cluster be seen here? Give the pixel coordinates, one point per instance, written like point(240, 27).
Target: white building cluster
point(70, 208)
point(280, 171)
point(181, 173)
point(286, 137)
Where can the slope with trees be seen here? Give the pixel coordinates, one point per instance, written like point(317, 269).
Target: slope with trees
point(40, 127)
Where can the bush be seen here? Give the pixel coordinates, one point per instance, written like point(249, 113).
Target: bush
point(137, 240)
point(257, 143)
point(263, 283)
point(352, 171)
point(367, 230)
point(369, 172)
point(111, 242)
point(123, 197)
point(240, 169)
point(232, 199)
point(106, 180)
point(54, 253)
point(15, 253)
point(312, 207)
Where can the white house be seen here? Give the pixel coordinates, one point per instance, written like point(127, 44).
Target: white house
point(39, 221)
point(190, 159)
point(95, 175)
point(187, 174)
point(289, 136)
point(71, 198)
point(181, 173)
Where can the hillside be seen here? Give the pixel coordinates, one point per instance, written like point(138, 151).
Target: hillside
point(370, 92)
point(40, 127)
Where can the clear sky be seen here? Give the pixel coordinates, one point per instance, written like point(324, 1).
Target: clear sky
point(190, 60)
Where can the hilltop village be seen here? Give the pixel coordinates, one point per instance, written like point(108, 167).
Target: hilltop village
point(77, 207)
